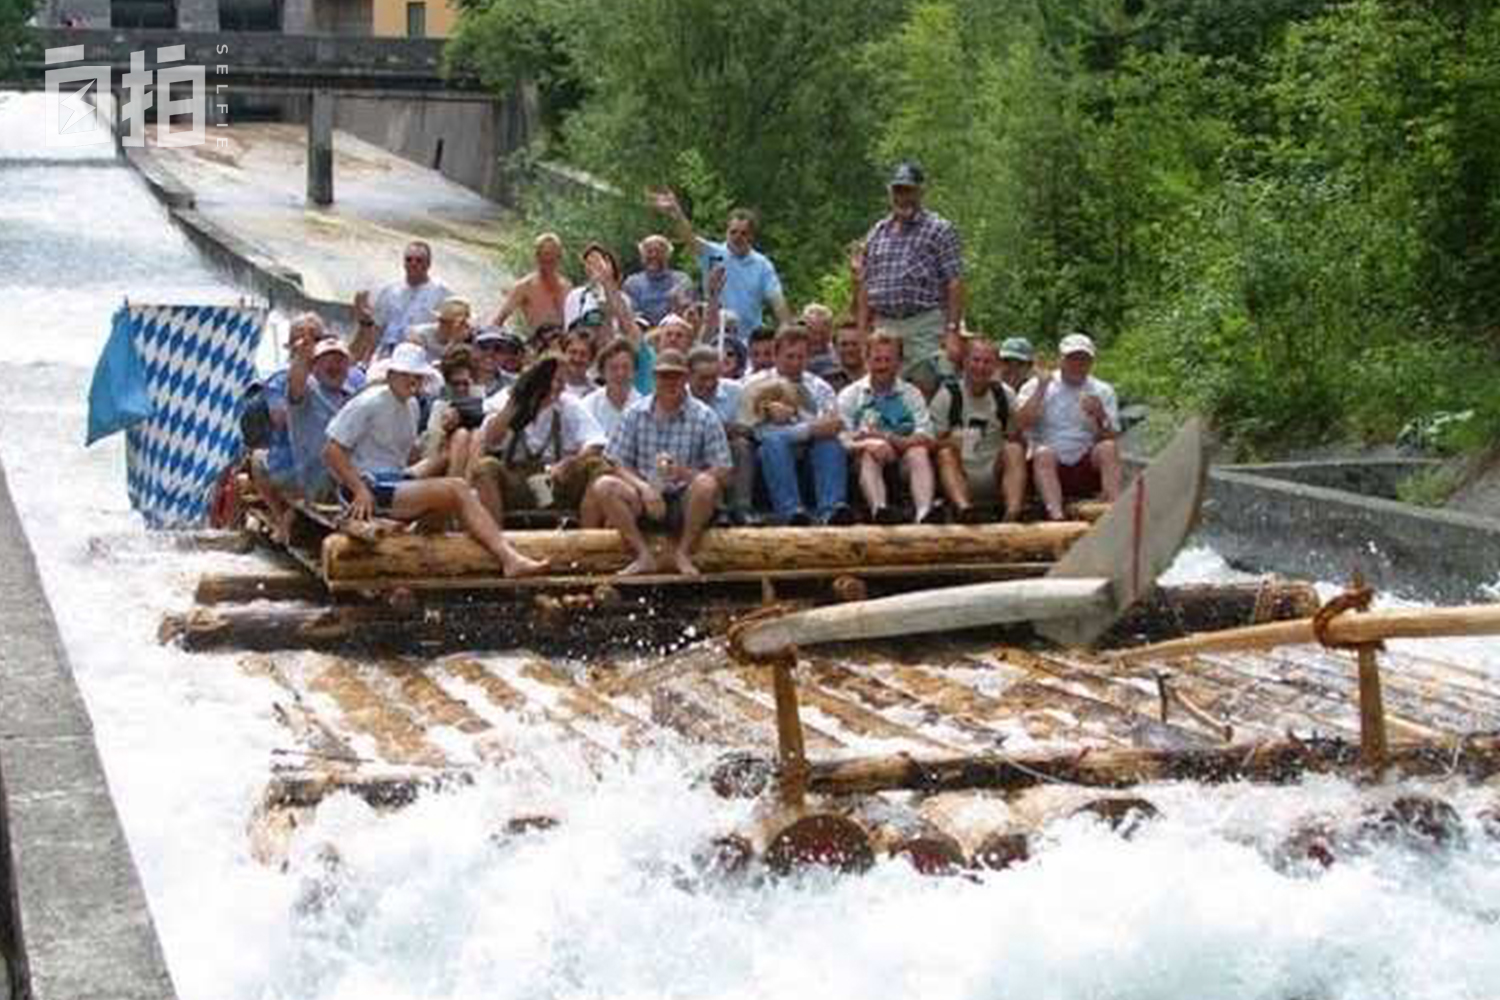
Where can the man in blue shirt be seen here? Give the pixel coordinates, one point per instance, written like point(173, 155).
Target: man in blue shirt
point(750, 280)
point(302, 399)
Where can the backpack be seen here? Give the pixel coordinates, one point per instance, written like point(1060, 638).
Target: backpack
point(956, 402)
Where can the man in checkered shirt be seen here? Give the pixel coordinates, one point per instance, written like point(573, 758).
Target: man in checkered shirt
point(672, 464)
point(911, 279)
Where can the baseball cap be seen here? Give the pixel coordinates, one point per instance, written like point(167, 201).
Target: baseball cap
point(671, 361)
point(582, 308)
point(907, 174)
point(329, 345)
point(1017, 349)
point(1076, 343)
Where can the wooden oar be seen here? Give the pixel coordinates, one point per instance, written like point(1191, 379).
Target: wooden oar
point(930, 611)
point(1101, 576)
point(1373, 626)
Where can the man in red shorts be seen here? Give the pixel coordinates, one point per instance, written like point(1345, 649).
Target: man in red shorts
point(1072, 420)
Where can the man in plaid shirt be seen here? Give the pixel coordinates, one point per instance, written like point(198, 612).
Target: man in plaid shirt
point(671, 461)
point(911, 279)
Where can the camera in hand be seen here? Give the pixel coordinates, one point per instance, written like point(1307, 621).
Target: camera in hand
point(470, 411)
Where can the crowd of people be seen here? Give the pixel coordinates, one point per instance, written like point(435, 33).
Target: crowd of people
point(653, 402)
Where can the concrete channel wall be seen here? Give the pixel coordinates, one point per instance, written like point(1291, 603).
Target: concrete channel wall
point(74, 924)
point(1289, 525)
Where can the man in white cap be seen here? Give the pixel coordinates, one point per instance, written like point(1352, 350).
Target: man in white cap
point(912, 278)
point(371, 445)
point(671, 461)
point(1072, 421)
point(318, 382)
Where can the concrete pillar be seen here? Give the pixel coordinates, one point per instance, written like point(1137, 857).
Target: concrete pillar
point(297, 17)
point(320, 148)
point(197, 15)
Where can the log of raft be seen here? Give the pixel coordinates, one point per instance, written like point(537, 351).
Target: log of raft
point(241, 588)
point(583, 622)
point(377, 628)
point(1274, 763)
point(349, 562)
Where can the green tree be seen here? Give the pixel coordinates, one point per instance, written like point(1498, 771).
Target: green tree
point(14, 14)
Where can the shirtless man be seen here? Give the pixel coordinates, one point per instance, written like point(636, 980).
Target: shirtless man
point(538, 297)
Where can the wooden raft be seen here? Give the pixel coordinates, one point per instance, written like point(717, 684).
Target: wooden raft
point(389, 557)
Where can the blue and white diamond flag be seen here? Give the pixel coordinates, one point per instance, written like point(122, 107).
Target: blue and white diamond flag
point(198, 362)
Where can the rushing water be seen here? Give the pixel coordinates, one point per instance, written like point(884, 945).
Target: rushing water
point(427, 903)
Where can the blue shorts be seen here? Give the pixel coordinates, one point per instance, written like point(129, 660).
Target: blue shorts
point(382, 486)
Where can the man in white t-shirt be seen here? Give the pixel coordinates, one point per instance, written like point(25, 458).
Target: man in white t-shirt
point(1072, 421)
point(402, 304)
point(371, 443)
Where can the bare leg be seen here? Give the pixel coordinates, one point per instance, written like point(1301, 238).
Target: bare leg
point(742, 483)
point(1044, 468)
point(486, 481)
point(454, 496)
point(459, 448)
point(1107, 461)
point(276, 505)
point(620, 505)
point(871, 479)
point(955, 484)
point(702, 501)
point(1010, 473)
point(918, 466)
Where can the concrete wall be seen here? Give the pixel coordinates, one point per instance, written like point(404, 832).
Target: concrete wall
point(1366, 477)
point(75, 925)
point(463, 138)
point(1314, 532)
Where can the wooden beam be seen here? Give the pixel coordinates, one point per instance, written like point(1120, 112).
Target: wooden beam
point(1276, 763)
point(722, 550)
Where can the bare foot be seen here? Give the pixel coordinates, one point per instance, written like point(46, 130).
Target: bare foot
point(281, 527)
point(641, 566)
point(520, 566)
point(684, 564)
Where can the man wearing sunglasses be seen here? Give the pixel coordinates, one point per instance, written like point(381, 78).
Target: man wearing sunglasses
point(401, 304)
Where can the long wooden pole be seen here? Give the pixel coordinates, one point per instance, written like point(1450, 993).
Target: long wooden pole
point(1279, 762)
point(793, 785)
point(1405, 623)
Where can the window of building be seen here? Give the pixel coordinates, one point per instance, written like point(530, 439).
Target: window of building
point(416, 20)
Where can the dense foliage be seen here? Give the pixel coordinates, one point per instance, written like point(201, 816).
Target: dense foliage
point(1285, 213)
point(13, 17)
